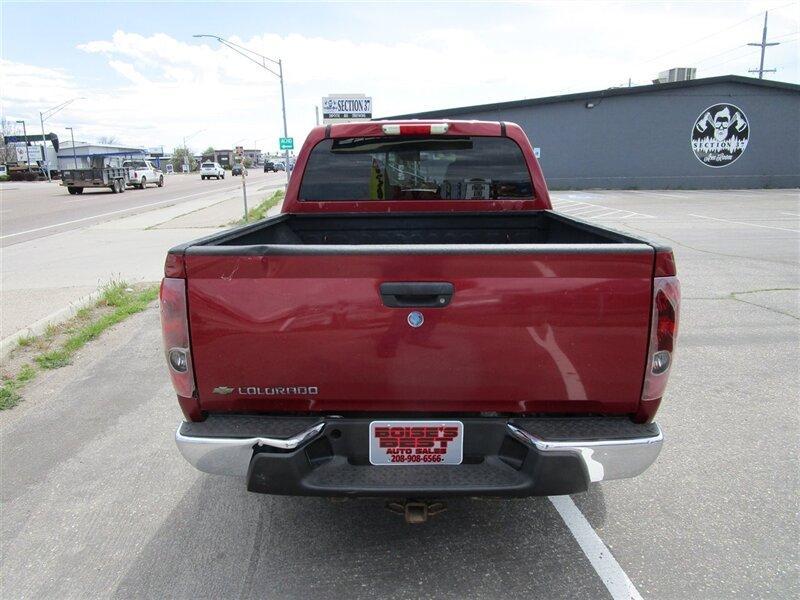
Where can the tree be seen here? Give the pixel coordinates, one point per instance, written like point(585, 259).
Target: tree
point(248, 162)
point(107, 139)
point(178, 156)
point(209, 151)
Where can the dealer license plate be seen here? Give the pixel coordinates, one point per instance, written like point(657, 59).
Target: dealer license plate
point(416, 442)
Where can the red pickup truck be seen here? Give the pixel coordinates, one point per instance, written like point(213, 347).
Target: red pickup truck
point(418, 323)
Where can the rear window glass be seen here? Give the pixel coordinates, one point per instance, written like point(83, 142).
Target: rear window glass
point(411, 168)
point(208, 165)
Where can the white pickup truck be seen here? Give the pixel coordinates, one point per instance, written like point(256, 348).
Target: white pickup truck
point(142, 172)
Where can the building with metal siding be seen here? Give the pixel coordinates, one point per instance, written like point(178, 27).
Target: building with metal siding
point(645, 137)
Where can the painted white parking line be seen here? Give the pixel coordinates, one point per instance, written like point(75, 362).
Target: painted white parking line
point(605, 565)
point(745, 223)
point(582, 210)
point(791, 214)
point(116, 212)
point(604, 215)
point(603, 212)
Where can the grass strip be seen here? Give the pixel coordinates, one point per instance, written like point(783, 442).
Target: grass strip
point(81, 329)
point(260, 212)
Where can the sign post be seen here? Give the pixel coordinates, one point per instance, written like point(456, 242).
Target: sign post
point(240, 155)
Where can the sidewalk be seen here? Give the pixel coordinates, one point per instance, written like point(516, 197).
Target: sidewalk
point(42, 277)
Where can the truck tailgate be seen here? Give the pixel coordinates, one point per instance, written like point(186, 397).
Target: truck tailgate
point(544, 331)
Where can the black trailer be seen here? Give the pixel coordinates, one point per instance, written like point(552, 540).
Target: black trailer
point(105, 172)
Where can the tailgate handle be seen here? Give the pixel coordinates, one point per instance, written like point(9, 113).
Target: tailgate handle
point(416, 294)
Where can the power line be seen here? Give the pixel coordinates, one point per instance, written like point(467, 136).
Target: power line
point(697, 41)
point(714, 34)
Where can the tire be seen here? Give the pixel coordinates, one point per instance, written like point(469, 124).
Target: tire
point(114, 187)
point(72, 190)
point(121, 186)
point(79, 190)
point(143, 184)
point(160, 181)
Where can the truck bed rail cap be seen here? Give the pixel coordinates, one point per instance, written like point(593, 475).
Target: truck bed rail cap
point(319, 249)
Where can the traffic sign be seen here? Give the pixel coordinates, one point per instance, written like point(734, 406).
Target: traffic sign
point(286, 143)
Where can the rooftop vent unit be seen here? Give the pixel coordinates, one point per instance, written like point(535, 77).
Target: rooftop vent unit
point(676, 74)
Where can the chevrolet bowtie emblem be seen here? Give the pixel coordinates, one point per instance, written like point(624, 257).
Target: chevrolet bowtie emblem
point(223, 390)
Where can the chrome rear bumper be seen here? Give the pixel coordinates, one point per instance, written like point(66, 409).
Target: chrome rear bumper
point(604, 459)
point(231, 456)
point(524, 456)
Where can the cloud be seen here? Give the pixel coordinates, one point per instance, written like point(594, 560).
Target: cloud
point(128, 71)
point(158, 88)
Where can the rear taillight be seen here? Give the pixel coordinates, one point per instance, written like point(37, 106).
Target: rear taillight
point(416, 129)
point(663, 331)
point(175, 330)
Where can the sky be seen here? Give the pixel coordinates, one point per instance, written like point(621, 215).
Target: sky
point(144, 79)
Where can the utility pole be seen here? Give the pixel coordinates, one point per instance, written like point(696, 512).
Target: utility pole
point(72, 137)
point(316, 114)
point(27, 150)
point(761, 70)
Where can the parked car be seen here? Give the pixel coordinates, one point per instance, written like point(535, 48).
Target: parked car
point(237, 169)
point(418, 323)
point(211, 169)
point(279, 166)
point(269, 167)
point(142, 172)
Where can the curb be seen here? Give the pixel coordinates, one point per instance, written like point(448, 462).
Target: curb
point(7, 344)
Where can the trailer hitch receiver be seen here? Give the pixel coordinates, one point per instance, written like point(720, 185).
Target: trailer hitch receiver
point(416, 511)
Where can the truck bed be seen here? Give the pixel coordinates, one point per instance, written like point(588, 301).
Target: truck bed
point(391, 230)
point(291, 314)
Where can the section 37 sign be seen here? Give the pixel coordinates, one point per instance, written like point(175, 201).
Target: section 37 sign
point(720, 135)
point(342, 108)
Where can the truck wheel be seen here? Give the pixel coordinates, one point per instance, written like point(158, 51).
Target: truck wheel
point(79, 190)
point(121, 185)
point(115, 186)
point(161, 181)
point(143, 184)
point(72, 190)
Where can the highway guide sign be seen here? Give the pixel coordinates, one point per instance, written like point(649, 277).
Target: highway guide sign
point(286, 143)
point(345, 108)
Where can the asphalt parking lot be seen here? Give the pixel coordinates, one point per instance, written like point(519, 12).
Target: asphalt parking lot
point(97, 502)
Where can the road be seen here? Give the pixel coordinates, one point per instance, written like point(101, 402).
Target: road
point(98, 503)
point(30, 210)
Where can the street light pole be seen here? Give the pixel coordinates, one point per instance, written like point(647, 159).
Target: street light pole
point(285, 130)
point(72, 137)
point(44, 152)
point(43, 116)
point(27, 150)
point(263, 64)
